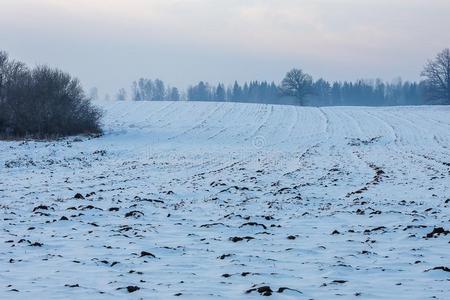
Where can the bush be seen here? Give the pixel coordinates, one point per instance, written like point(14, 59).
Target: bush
point(42, 103)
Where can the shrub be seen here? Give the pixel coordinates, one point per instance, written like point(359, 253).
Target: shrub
point(43, 102)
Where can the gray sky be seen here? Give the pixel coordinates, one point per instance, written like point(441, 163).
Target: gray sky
point(110, 43)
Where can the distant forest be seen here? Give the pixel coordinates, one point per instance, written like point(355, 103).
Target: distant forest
point(299, 88)
point(322, 93)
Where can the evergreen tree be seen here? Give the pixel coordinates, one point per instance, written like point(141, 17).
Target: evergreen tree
point(220, 94)
point(237, 92)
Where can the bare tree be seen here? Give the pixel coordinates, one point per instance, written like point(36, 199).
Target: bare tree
point(43, 102)
point(159, 90)
point(3, 61)
point(297, 84)
point(121, 95)
point(437, 74)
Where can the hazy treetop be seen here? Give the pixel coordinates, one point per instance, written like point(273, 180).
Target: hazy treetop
point(109, 43)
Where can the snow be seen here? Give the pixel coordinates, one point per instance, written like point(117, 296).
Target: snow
point(356, 190)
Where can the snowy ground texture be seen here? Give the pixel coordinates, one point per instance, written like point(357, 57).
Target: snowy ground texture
point(229, 201)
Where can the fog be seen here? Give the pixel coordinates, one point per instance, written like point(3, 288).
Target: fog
point(110, 43)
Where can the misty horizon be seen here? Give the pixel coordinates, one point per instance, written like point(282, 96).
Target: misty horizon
point(110, 44)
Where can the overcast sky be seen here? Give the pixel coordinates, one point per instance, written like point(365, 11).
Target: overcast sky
point(110, 43)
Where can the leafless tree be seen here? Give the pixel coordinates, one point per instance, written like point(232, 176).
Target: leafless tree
point(437, 74)
point(3, 60)
point(297, 84)
point(121, 95)
point(43, 102)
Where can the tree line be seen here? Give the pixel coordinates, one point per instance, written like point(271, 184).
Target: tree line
point(314, 93)
point(299, 88)
point(317, 93)
point(253, 91)
point(151, 90)
point(42, 102)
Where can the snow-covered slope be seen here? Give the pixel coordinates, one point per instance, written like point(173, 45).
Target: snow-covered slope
point(210, 200)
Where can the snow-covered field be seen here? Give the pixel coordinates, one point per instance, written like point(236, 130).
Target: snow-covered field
point(228, 201)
